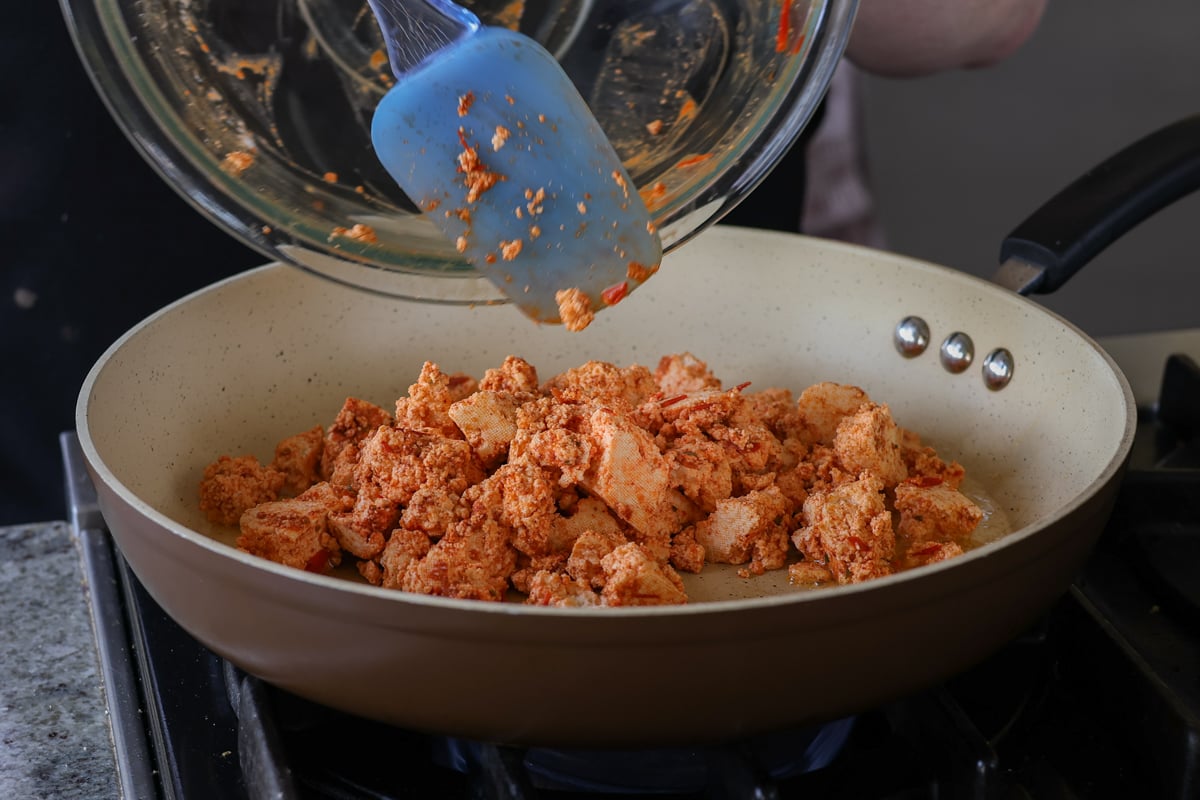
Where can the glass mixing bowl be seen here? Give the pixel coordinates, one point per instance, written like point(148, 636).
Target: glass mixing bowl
point(258, 112)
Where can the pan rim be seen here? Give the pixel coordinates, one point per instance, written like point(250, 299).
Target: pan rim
point(825, 594)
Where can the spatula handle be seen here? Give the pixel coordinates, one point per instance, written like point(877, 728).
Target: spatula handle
point(1075, 225)
point(414, 30)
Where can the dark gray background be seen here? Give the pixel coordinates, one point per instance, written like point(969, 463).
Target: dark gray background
point(958, 160)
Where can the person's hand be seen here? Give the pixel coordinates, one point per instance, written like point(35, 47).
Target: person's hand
point(904, 38)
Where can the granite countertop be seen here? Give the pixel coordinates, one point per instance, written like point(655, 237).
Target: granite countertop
point(55, 740)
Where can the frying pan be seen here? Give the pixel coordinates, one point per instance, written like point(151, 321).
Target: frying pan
point(237, 366)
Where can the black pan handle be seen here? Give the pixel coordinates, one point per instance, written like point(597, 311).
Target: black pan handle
point(1075, 225)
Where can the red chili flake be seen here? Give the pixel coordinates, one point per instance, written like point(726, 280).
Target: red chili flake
point(927, 550)
point(319, 561)
point(687, 110)
point(615, 294)
point(670, 401)
point(692, 161)
point(857, 543)
point(740, 386)
point(785, 26)
point(925, 481)
point(799, 43)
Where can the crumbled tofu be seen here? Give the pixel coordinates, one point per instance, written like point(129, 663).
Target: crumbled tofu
point(602, 383)
point(356, 420)
point(869, 441)
point(471, 561)
point(362, 529)
point(629, 473)
point(574, 309)
point(823, 405)
point(596, 486)
point(589, 514)
point(752, 526)
point(488, 421)
point(934, 511)
point(849, 530)
point(401, 461)
point(427, 406)
point(299, 459)
point(232, 485)
point(684, 373)
point(548, 588)
point(291, 532)
point(515, 375)
point(633, 577)
point(923, 462)
point(587, 555)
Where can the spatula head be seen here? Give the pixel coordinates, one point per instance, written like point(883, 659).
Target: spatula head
point(493, 142)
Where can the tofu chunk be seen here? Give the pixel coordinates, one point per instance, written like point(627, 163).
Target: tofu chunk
point(401, 461)
point(356, 420)
point(701, 470)
point(299, 459)
point(290, 532)
point(935, 512)
point(683, 373)
point(233, 485)
point(634, 577)
point(589, 514)
point(924, 462)
point(588, 553)
point(488, 421)
point(849, 530)
point(869, 441)
point(362, 530)
point(515, 375)
point(403, 548)
point(602, 383)
point(425, 409)
point(548, 588)
point(746, 528)
point(822, 407)
point(472, 561)
point(628, 472)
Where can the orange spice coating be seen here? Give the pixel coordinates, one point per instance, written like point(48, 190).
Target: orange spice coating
point(476, 176)
point(357, 232)
point(237, 162)
point(231, 485)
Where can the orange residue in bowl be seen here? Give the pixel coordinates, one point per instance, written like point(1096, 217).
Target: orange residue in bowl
point(237, 162)
point(359, 233)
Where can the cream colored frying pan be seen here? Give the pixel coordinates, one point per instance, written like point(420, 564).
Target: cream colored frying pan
point(237, 366)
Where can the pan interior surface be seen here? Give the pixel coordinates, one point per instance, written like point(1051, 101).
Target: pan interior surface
point(236, 367)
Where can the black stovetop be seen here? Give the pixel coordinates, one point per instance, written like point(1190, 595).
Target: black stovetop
point(1099, 699)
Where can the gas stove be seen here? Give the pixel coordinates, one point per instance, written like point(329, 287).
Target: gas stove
point(1100, 698)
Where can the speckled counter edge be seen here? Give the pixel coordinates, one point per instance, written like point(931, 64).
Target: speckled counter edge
point(54, 733)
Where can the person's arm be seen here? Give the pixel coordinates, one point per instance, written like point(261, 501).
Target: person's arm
point(904, 38)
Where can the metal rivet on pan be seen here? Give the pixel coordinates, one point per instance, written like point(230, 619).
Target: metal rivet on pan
point(911, 337)
point(958, 351)
point(997, 369)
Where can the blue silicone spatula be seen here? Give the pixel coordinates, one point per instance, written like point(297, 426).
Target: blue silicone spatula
point(488, 136)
